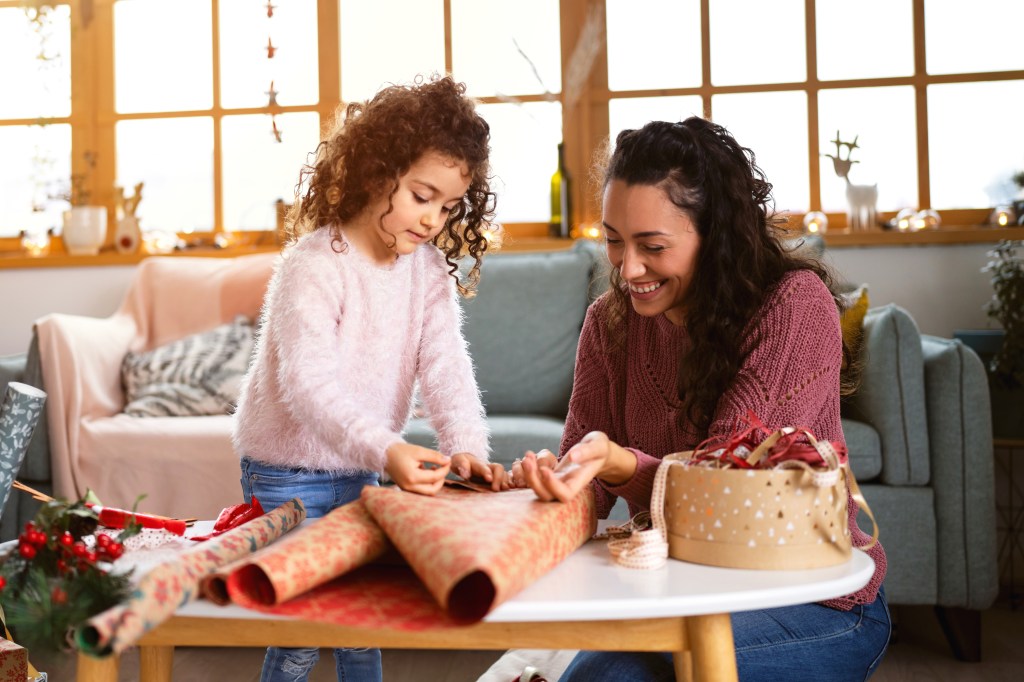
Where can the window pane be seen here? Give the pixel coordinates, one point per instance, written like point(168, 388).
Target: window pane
point(174, 158)
point(524, 154)
point(986, 34)
point(36, 76)
point(163, 55)
point(884, 123)
point(246, 72)
point(774, 126)
point(634, 112)
point(258, 170)
point(653, 44)
point(842, 24)
point(968, 171)
point(35, 171)
point(371, 57)
point(753, 41)
point(487, 37)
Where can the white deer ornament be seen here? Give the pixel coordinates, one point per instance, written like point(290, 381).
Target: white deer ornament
point(860, 199)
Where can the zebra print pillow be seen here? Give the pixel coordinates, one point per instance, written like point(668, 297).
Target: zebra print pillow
point(196, 375)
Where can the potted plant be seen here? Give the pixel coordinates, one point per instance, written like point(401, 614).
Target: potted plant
point(1002, 350)
point(85, 225)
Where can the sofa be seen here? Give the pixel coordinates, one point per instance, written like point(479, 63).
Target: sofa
point(521, 328)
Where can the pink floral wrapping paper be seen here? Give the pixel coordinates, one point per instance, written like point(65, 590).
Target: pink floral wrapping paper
point(467, 552)
point(331, 546)
point(171, 585)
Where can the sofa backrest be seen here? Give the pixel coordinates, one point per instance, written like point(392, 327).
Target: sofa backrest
point(524, 324)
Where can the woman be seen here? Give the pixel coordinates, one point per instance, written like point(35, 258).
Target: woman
point(708, 318)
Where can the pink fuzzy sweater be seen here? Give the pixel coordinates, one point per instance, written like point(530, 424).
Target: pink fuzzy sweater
point(790, 378)
point(342, 344)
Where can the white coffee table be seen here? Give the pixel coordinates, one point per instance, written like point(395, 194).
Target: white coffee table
point(586, 602)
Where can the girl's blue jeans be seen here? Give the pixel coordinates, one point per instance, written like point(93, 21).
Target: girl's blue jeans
point(791, 643)
point(320, 491)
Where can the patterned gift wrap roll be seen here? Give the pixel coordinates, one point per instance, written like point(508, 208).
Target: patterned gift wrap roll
point(472, 550)
point(341, 541)
point(19, 414)
point(168, 586)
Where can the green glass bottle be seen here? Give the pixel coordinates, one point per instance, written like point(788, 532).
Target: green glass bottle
point(561, 199)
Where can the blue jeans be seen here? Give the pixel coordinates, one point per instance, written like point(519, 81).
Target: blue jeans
point(791, 643)
point(320, 491)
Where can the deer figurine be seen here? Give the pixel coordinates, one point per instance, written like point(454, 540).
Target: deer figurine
point(861, 199)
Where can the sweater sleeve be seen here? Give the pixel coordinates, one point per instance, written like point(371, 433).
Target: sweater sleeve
point(305, 319)
point(590, 405)
point(447, 384)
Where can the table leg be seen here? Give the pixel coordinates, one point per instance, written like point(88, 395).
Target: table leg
point(97, 669)
point(155, 663)
point(711, 644)
point(682, 660)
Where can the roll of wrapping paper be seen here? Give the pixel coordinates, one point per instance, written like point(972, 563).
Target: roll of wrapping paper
point(19, 413)
point(344, 539)
point(168, 586)
point(468, 552)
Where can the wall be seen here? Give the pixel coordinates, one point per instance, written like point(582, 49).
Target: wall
point(941, 286)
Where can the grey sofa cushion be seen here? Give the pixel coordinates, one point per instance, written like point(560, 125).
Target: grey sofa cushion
point(523, 327)
point(891, 394)
point(960, 432)
point(511, 435)
point(864, 448)
point(906, 519)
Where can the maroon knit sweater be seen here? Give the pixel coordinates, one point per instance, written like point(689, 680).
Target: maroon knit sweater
point(790, 378)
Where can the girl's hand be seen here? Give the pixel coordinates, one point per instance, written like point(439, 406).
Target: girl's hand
point(593, 457)
point(467, 466)
point(544, 458)
point(416, 469)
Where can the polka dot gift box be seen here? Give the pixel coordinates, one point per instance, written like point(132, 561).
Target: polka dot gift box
point(781, 505)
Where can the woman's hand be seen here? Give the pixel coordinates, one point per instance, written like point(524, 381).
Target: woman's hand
point(416, 469)
point(595, 456)
point(545, 459)
point(467, 466)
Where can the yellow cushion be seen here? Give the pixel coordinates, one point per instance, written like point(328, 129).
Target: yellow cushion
point(852, 319)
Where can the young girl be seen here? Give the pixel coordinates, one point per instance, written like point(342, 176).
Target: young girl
point(708, 317)
point(360, 308)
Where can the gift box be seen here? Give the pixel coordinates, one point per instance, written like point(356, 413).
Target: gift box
point(737, 509)
point(13, 662)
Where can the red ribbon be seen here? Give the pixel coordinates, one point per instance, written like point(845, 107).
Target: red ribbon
point(232, 517)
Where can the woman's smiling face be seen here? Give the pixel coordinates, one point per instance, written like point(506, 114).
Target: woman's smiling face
point(653, 244)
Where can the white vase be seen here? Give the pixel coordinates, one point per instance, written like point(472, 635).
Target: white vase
point(85, 230)
point(128, 237)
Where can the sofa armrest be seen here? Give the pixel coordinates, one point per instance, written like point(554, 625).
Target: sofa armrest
point(963, 479)
point(891, 395)
point(81, 365)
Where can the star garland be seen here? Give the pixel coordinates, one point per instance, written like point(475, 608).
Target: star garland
point(272, 93)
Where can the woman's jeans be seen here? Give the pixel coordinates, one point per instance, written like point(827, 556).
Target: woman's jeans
point(791, 643)
point(320, 492)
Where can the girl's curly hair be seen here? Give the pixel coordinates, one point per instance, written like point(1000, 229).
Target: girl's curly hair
point(373, 143)
point(716, 182)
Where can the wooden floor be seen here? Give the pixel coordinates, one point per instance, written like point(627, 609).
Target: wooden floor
point(919, 652)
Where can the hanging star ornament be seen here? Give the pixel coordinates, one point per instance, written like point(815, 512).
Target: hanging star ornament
point(270, 48)
point(274, 130)
point(270, 9)
point(272, 95)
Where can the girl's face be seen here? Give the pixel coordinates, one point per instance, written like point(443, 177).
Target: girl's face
point(434, 185)
point(653, 244)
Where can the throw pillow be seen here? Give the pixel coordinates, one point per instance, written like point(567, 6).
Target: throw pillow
point(196, 375)
point(852, 318)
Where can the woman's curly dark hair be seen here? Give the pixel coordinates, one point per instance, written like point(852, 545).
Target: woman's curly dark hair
point(718, 185)
point(373, 143)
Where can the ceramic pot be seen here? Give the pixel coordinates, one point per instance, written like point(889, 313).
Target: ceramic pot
point(128, 237)
point(85, 230)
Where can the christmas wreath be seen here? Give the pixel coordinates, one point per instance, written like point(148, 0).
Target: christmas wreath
point(59, 573)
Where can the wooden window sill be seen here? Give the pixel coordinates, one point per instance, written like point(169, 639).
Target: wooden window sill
point(951, 234)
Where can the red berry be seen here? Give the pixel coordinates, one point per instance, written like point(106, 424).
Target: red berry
point(79, 550)
point(3, 583)
point(29, 527)
point(91, 556)
point(27, 551)
point(102, 540)
point(115, 550)
point(37, 538)
point(67, 539)
point(62, 566)
point(58, 595)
